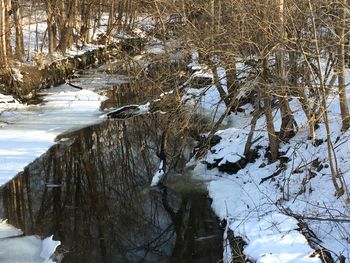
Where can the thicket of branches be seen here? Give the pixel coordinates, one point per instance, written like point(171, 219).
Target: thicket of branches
point(68, 22)
point(291, 49)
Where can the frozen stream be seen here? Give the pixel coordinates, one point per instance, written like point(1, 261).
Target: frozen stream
point(28, 131)
point(91, 190)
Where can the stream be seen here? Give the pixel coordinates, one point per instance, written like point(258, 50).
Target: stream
point(91, 191)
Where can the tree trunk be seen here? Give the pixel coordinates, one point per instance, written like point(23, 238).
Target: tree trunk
point(8, 27)
point(51, 26)
point(305, 104)
point(19, 30)
point(256, 114)
point(287, 127)
point(293, 62)
point(99, 13)
point(218, 85)
point(3, 49)
point(273, 140)
point(231, 76)
point(66, 30)
point(212, 14)
point(85, 29)
point(299, 91)
point(121, 10)
point(271, 129)
point(111, 18)
point(332, 158)
point(344, 109)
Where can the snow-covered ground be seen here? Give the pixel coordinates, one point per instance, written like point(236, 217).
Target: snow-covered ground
point(26, 132)
point(14, 247)
point(265, 214)
point(35, 39)
point(268, 214)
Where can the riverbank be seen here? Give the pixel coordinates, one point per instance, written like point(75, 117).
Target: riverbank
point(286, 211)
point(29, 130)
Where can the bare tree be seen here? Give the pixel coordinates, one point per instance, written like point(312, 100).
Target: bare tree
point(68, 17)
point(17, 15)
point(51, 24)
point(8, 26)
point(3, 45)
point(332, 158)
point(287, 127)
point(341, 26)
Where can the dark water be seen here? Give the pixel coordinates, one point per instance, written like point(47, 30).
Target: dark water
point(91, 191)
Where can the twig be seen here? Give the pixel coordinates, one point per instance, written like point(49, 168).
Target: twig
point(272, 175)
point(298, 216)
point(74, 86)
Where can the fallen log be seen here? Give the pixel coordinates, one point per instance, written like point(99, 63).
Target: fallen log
point(123, 112)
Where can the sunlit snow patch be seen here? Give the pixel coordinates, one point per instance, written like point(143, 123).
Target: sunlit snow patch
point(28, 131)
point(17, 248)
point(158, 175)
point(48, 247)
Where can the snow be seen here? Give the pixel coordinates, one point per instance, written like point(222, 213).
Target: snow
point(205, 100)
point(29, 130)
point(227, 253)
point(249, 207)
point(265, 214)
point(7, 230)
point(158, 175)
point(18, 76)
point(48, 247)
point(232, 137)
point(14, 247)
point(144, 108)
point(36, 44)
point(278, 229)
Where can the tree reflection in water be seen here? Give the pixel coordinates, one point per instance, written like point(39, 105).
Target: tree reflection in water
point(91, 192)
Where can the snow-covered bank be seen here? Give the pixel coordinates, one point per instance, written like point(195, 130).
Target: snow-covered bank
point(269, 204)
point(14, 247)
point(27, 131)
point(301, 188)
